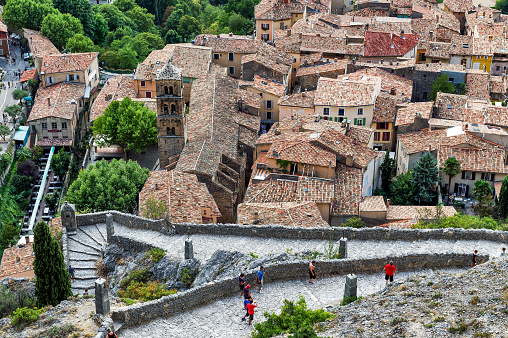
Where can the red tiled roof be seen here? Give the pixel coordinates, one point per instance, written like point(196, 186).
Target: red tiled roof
point(62, 63)
point(228, 44)
point(361, 134)
point(322, 68)
point(63, 101)
point(302, 100)
point(28, 75)
point(115, 89)
point(372, 203)
point(337, 93)
point(348, 191)
point(473, 159)
point(408, 115)
point(290, 214)
point(39, 45)
point(302, 151)
point(269, 86)
point(459, 6)
point(54, 142)
point(388, 43)
point(416, 212)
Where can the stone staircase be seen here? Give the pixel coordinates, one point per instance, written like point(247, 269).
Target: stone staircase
point(85, 249)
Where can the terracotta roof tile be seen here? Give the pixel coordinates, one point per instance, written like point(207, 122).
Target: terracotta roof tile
point(290, 214)
point(302, 151)
point(388, 44)
point(301, 100)
point(28, 75)
point(372, 203)
point(228, 44)
point(348, 191)
point(477, 84)
point(269, 86)
point(323, 44)
point(389, 82)
point(385, 109)
point(322, 68)
point(62, 63)
point(459, 6)
point(408, 115)
point(115, 89)
point(271, 58)
point(338, 93)
point(182, 194)
point(360, 134)
point(416, 212)
point(473, 159)
point(59, 100)
point(39, 45)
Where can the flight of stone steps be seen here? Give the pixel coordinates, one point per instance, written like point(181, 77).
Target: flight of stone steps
point(85, 249)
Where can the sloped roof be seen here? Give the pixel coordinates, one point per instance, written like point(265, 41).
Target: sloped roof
point(372, 203)
point(39, 45)
point(417, 212)
point(268, 85)
point(408, 114)
point(63, 100)
point(301, 151)
point(115, 89)
point(228, 44)
point(301, 100)
point(62, 63)
point(334, 92)
point(473, 159)
point(348, 191)
point(169, 72)
point(388, 43)
point(28, 75)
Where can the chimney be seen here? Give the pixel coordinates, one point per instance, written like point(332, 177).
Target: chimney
point(49, 101)
point(256, 217)
point(184, 219)
point(18, 259)
point(392, 91)
point(387, 202)
point(349, 160)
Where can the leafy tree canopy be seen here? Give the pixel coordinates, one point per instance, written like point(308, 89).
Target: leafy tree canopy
point(19, 94)
point(387, 172)
point(60, 163)
point(13, 110)
point(27, 13)
point(80, 44)
point(105, 186)
point(129, 124)
point(442, 84)
point(401, 189)
point(81, 10)
point(502, 5)
point(60, 27)
point(4, 131)
point(424, 180)
point(503, 198)
point(482, 191)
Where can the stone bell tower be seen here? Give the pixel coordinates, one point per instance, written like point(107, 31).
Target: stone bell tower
point(170, 113)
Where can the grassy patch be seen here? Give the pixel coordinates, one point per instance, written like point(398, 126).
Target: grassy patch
point(60, 331)
point(349, 300)
point(156, 254)
point(25, 316)
point(397, 321)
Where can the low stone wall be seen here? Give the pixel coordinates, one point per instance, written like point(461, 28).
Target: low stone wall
point(129, 244)
point(336, 233)
point(184, 301)
point(128, 220)
point(65, 246)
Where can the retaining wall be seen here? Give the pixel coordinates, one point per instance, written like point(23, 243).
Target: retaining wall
point(129, 244)
point(128, 220)
point(184, 301)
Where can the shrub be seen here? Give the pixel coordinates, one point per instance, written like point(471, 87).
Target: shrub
point(463, 221)
point(12, 300)
point(25, 316)
point(353, 222)
point(295, 319)
point(348, 300)
point(60, 331)
point(186, 277)
point(156, 254)
point(128, 301)
point(139, 276)
point(145, 291)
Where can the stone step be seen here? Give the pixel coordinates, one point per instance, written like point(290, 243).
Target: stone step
point(82, 264)
point(90, 238)
point(81, 254)
point(101, 228)
point(74, 240)
point(79, 291)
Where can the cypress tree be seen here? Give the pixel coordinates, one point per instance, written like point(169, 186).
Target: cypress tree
point(503, 198)
point(424, 180)
point(53, 280)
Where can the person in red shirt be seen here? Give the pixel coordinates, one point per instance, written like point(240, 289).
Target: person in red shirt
point(250, 309)
point(389, 272)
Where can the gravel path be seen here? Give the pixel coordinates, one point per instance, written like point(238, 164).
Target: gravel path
point(206, 245)
point(223, 318)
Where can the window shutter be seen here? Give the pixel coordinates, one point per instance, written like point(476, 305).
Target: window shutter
point(467, 190)
point(320, 117)
point(492, 177)
point(364, 121)
point(456, 190)
point(355, 122)
point(483, 176)
point(378, 125)
point(463, 174)
point(474, 175)
point(336, 119)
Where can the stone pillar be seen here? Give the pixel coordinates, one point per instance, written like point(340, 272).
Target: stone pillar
point(101, 297)
point(68, 212)
point(189, 250)
point(110, 228)
point(351, 287)
point(343, 247)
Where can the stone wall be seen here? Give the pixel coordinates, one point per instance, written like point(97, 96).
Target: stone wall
point(184, 301)
point(127, 220)
point(336, 233)
point(129, 244)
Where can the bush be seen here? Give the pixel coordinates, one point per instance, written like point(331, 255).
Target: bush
point(463, 221)
point(348, 300)
point(295, 319)
point(156, 254)
point(136, 276)
point(25, 316)
point(60, 331)
point(13, 300)
point(353, 222)
point(145, 291)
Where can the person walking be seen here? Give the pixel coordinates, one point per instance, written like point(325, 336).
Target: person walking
point(71, 272)
point(475, 253)
point(241, 281)
point(312, 273)
point(111, 334)
point(390, 271)
point(261, 276)
point(503, 252)
point(250, 309)
point(245, 303)
point(85, 293)
point(246, 292)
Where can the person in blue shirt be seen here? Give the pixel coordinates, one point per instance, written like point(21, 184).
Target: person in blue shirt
point(241, 281)
point(261, 275)
point(246, 292)
point(245, 303)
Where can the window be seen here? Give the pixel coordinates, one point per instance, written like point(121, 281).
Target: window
point(326, 118)
point(216, 56)
point(265, 37)
point(294, 70)
point(326, 111)
point(44, 125)
point(281, 25)
point(498, 68)
point(50, 80)
point(260, 94)
point(54, 125)
point(231, 56)
point(341, 111)
point(268, 115)
point(231, 70)
point(451, 79)
point(186, 80)
point(265, 26)
point(359, 122)
point(170, 90)
point(351, 3)
point(64, 125)
point(173, 109)
point(143, 83)
point(149, 95)
point(376, 136)
point(166, 90)
point(487, 177)
point(360, 111)
point(485, 57)
point(463, 62)
point(382, 125)
point(468, 175)
point(268, 104)
point(386, 136)
point(165, 109)
point(342, 119)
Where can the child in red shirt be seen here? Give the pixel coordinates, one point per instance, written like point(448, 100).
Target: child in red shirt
point(390, 270)
point(250, 309)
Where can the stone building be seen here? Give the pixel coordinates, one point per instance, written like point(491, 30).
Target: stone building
point(170, 113)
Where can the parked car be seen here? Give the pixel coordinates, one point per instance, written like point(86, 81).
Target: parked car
point(27, 56)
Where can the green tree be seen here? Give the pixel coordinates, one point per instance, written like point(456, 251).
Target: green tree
point(154, 41)
point(21, 183)
point(129, 124)
point(27, 13)
point(387, 172)
point(19, 94)
point(101, 29)
point(53, 282)
point(80, 44)
point(141, 19)
point(460, 88)
point(502, 5)
point(114, 17)
point(60, 27)
point(174, 19)
point(4, 131)
point(13, 110)
point(442, 84)
point(60, 163)
point(127, 58)
point(424, 180)
point(353, 222)
point(153, 208)
point(482, 191)
point(10, 235)
point(401, 189)
point(188, 27)
point(51, 201)
point(451, 168)
point(503, 198)
point(173, 37)
point(125, 5)
point(108, 186)
point(28, 168)
point(239, 24)
point(81, 10)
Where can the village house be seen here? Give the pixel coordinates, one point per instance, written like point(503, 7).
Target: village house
point(40, 46)
point(228, 49)
point(4, 40)
point(298, 104)
point(270, 92)
point(415, 116)
point(308, 76)
point(115, 89)
point(268, 62)
point(184, 197)
point(459, 8)
point(388, 46)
